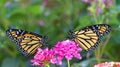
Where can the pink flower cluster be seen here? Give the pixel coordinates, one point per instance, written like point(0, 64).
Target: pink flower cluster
point(100, 5)
point(107, 3)
point(7, 4)
point(108, 64)
point(45, 2)
point(67, 49)
point(43, 57)
point(98, 10)
point(64, 49)
point(104, 2)
point(87, 1)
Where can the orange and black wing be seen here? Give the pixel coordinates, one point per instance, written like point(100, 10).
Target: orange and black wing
point(89, 37)
point(27, 42)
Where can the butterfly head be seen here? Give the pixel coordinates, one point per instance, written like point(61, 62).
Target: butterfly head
point(44, 40)
point(71, 35)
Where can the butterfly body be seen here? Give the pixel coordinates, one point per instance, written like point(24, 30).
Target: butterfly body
point(27, 42)
point(89, 37)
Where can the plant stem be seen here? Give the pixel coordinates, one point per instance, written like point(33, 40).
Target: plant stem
point(47, 65)
point(68, 62)
point(8, 51)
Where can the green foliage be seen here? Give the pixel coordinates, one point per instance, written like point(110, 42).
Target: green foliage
point(11, 62)
point(55, 19)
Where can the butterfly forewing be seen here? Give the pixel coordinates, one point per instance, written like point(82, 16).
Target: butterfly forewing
point(27, 42)
point(89, 37)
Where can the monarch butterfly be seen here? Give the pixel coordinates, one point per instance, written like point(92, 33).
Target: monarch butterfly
point(27, 42)
point(89, 37)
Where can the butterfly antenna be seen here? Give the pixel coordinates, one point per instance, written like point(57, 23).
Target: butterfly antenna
point(47, 41)
point(45, 36)
point(69, 34)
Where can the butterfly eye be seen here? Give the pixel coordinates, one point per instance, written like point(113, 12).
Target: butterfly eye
point(70, 31)
point(71, 35)
point(45, 37)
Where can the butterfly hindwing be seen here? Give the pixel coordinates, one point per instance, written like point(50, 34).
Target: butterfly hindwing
point(89, 37)
point(27, 42)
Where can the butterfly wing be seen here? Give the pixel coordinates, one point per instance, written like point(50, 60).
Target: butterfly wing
point(89, 37)
point(27, 42)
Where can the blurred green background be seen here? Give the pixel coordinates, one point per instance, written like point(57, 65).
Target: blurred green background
point(55, 18)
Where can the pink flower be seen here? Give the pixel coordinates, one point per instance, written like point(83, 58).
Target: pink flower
point(108, 64)
point(7, 4)
point(45, 2)
point(43, 57)
point(64, 49)
point(67, 49)
point(98, 10)
point(107, 3)
point(41, 23)
point(87, 1)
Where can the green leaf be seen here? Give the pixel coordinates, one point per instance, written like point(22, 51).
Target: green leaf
point(35, 10)
point(88, 63)
point(10, 62)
